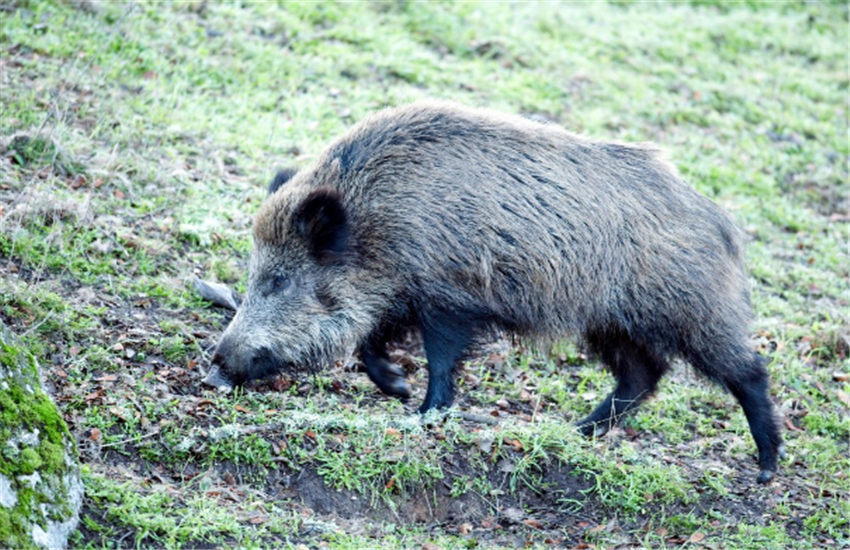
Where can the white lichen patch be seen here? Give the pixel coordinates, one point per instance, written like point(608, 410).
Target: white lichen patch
point(31, 480)
point(15, 444)
point(8, 497)
point(57, 532)
point(30, 439)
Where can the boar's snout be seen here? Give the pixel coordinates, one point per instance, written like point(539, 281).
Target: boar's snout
point(217, 377)
point(230, 368)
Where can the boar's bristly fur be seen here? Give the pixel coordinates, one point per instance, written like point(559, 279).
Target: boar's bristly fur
point(458, 221)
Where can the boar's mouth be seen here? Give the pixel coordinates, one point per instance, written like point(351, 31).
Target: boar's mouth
point(263, 364)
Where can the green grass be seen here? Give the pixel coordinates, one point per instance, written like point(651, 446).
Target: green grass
point(137, 140)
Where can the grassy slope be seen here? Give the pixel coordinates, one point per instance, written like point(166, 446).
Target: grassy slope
point(153, 129)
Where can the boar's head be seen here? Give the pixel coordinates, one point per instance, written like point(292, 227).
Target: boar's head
point(303, 304)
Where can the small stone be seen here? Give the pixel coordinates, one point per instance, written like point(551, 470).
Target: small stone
point(513, 515)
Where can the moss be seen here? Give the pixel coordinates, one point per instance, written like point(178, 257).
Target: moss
point(15, 534)
point(21, 410)
point(11, 533)
point(29, 409)
point(32, 410)
point(29, 462)
point(6, 404)
point(9, 355)
point(52, 455)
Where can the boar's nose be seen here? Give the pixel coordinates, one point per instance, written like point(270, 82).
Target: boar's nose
point(216, 377)
point(263, 363)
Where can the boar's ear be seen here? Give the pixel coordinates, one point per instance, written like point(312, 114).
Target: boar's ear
point(280, 178)
point(322, 221)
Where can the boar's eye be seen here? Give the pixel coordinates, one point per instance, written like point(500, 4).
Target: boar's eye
point(282, 285)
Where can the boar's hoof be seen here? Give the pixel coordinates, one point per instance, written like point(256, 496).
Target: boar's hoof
point(217, 380)
point(768, 468)
point(389, 378)
point(397, 388)
point(593, 429)
point(765, 476)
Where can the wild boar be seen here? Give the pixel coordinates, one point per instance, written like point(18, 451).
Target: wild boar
point(459, 222)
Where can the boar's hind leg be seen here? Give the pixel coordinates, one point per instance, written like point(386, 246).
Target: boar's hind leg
point(637, 371)
point(748, 382)
point(385, 374)
point(446, 338)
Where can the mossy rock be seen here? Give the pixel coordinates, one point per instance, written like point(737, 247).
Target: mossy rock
point(40, 487)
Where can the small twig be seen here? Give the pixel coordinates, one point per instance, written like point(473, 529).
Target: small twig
point(35, 327)
point(289, 450)
point(480, 418)
point(130, 440)
point(537, 402)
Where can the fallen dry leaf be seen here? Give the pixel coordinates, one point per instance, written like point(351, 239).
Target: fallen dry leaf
point(515, 443)
point(533, 523)
point(489, 523)
point(696, 537)
point(119, 412)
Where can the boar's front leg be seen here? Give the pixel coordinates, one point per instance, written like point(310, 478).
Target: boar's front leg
point(385, 374)
point(446, 338)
